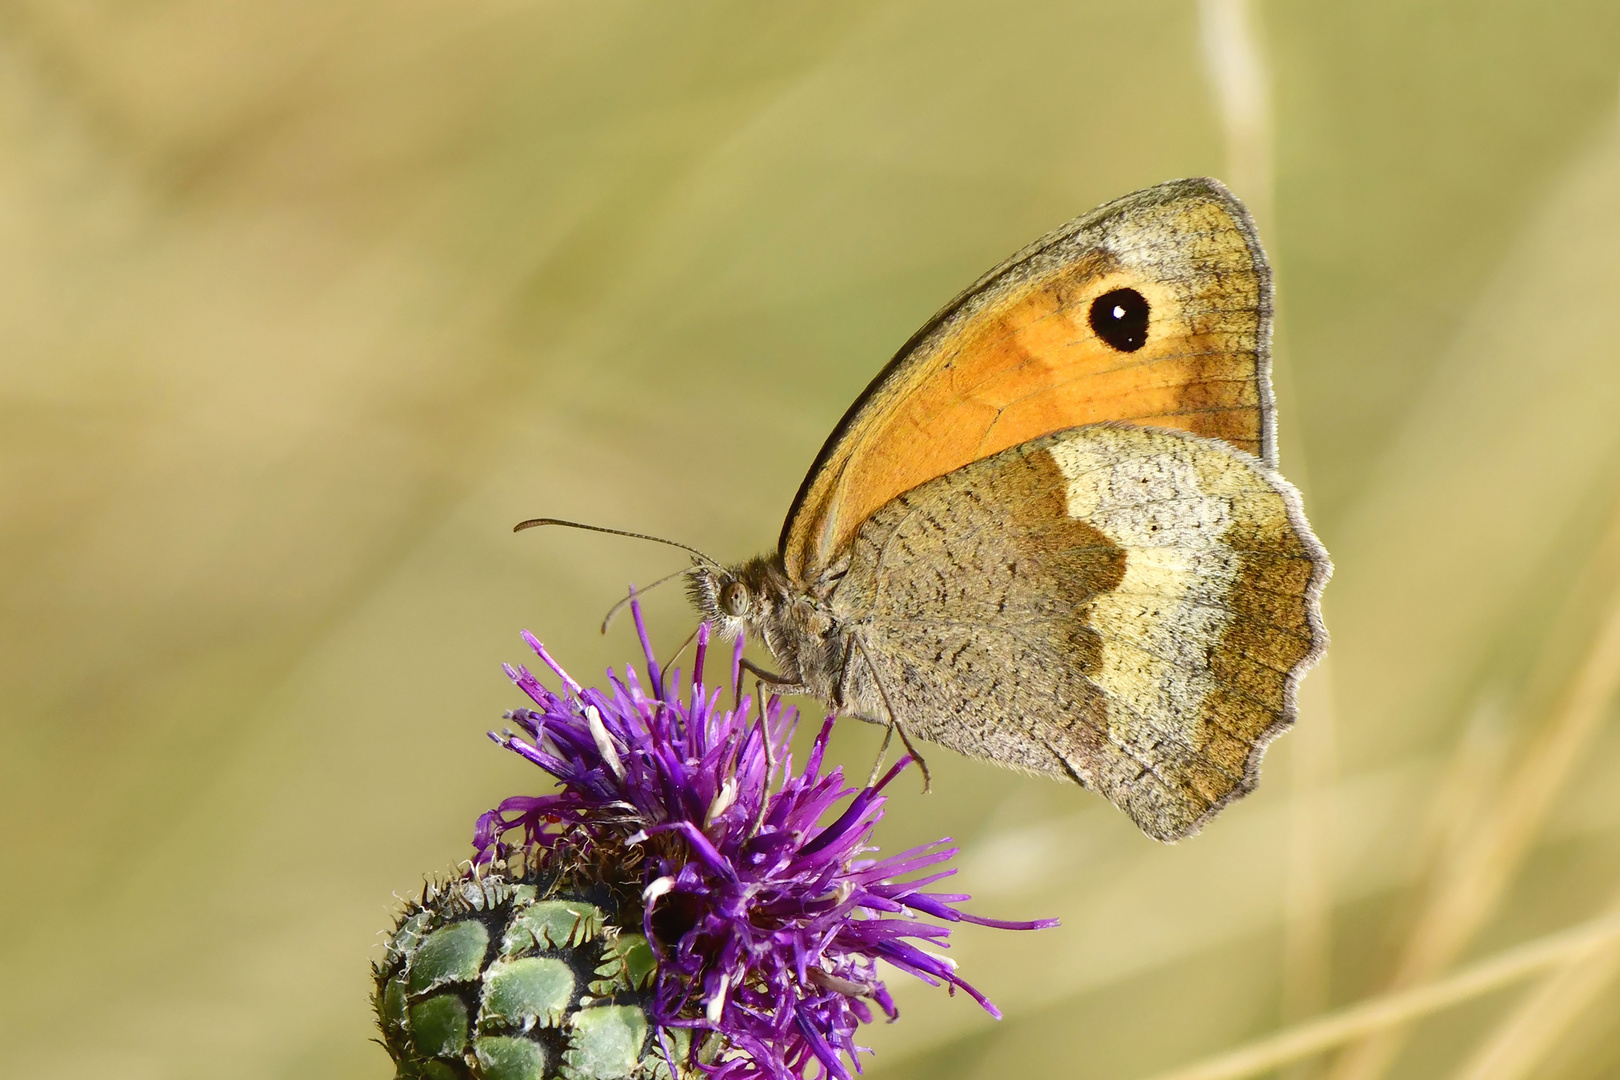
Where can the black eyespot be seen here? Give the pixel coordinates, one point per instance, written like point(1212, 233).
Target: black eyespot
point(1121, 319)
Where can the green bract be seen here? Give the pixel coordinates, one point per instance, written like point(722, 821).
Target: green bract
point(501, 977)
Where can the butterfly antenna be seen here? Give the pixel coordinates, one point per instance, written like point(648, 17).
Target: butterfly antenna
point(533, 522)
point(613, 612)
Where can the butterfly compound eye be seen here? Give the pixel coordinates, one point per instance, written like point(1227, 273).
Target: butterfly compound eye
point(1121, 319)
point(734, 599)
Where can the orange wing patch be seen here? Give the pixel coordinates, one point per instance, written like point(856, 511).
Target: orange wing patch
point(1016, 357)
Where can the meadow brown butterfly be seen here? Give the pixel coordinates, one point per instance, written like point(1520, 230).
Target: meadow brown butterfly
point(1051, 532)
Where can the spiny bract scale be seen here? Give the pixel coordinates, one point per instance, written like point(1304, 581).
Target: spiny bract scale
point(497, 977)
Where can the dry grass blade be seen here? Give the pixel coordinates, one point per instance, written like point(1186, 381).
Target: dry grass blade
point(1601, 935)
point(1533, 1030)
point(1468, 887)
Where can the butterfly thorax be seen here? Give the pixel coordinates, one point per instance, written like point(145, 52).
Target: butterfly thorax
point(760, 599)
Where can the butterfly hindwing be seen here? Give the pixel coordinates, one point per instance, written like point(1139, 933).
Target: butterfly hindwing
point(1127, 607)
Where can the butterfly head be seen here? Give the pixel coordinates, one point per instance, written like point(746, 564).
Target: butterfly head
point(742, 599)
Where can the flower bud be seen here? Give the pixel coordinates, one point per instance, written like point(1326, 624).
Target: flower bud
point(522, 973)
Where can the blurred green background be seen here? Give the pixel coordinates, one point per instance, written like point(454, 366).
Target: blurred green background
point(306, 303)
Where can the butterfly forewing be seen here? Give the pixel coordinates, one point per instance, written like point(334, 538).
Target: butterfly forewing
point(1154, 309)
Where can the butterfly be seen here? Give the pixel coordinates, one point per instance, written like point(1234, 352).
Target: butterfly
point(1051, 533)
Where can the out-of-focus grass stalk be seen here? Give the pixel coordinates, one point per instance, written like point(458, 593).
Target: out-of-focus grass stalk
point(1472, 772)
point(1235, 57)
point(1231, 44)
point(1601, 935)
point(1468, 885)
point(1531, 1032)
point(1308, 885)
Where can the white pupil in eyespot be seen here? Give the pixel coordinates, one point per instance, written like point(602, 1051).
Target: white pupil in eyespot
point(1119, 312)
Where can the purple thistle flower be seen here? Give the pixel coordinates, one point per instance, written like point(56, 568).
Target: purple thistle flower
point(768, 924)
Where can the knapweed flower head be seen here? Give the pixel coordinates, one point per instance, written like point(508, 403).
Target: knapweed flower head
point(759, 895)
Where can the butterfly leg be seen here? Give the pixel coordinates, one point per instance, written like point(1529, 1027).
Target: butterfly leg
point(779, 684)
point(883, 750)
point(770, 756)
point(667, 664)
point(894, 723)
